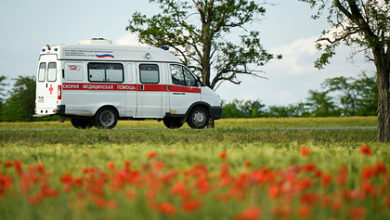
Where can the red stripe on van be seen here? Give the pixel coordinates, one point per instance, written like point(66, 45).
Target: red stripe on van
point(129, 87)
point(173, 88)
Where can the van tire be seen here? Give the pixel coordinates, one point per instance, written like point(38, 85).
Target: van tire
point(198, 118)
point(82, 123)
point(173, 123)
point(106, 118)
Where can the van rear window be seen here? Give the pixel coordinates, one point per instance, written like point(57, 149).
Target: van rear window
point(52, 72)
point(105, 72)
point(42, 72)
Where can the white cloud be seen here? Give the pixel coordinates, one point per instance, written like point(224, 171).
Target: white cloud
point(298, 56)
point(129, 39)
point(290, 78)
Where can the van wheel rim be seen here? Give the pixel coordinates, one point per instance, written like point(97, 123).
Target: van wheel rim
point(107, 118)
point(198, 118)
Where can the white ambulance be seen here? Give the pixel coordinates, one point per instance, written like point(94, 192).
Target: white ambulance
point(95, 83)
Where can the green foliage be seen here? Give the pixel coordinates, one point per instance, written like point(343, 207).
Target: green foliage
point(241, 109)
point(321, 104)
point(357, 96)
point(364, 24)
point(21, 102)
point(2, 91)
point(198, 31)
point(2, 88)
point(342, 96)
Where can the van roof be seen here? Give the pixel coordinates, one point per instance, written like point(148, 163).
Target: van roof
point(109, 52)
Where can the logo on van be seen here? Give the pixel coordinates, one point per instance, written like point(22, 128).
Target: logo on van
point(104, 55)
point(74, 67)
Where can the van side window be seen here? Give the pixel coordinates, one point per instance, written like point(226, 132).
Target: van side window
point(149, 73)
point(182, 76)
point(177, 75)
point(52, 72)
point(114, 72)
point(42, 72)
point(105, 72)
point(190, 79)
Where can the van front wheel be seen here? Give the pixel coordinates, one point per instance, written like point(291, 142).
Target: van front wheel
point(173, 122)
point(198, 118)
point(106, 118)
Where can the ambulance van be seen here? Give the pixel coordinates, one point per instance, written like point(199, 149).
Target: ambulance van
point(95, 83)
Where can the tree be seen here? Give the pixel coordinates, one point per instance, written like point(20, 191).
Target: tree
point(2, 93)
point(321, 103)
point(2, 88)
point(368, 95)
point(357, 96)
point(197, 31)
point(232, 110)
point(252, 109)
point(348, 93)
point(366, 25)
point(21, 102)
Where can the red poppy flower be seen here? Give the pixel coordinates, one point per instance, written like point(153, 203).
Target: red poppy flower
point(309, 167)
point(366, 150)
point(304, 211)
point(167, 208)
point(342, 175)
point(248, 163)
point(8, 163)
point(309, 198)
point(111, 166)
point(304, 151)
point(192, 205)
point(388, 201)
point(326, 180)
point(151, 155)
point(249, 214)
point(358, 213)
point(222, 155)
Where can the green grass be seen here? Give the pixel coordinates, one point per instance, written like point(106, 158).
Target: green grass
point(69, 150)
point(222, 123)
point(228, 130)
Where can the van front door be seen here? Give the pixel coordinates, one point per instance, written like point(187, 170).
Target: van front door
point(183, 91)
point(149, 91)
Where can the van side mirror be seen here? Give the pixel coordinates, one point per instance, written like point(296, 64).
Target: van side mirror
point(198, 82)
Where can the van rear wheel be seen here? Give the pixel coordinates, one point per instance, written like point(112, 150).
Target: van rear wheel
point(198, 118)
point(173, 122)
point(82, 123)
point(106, 118)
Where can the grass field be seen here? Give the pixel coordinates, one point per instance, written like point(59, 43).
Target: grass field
point(230, 172)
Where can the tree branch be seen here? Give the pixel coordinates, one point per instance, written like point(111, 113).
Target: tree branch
point(343, 37)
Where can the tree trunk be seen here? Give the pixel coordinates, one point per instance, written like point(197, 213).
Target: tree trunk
point(383, 71)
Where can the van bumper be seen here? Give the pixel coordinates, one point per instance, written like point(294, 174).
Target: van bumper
point(46, 112)
point(216, 112)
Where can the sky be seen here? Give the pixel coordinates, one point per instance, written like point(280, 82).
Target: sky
point(286, 29)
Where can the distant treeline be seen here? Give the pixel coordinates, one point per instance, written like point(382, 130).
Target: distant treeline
point(340, 96)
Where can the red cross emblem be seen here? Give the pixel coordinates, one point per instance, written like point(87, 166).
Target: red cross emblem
point(51, 88)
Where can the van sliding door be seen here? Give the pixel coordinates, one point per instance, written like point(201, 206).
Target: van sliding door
point(150, 89)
